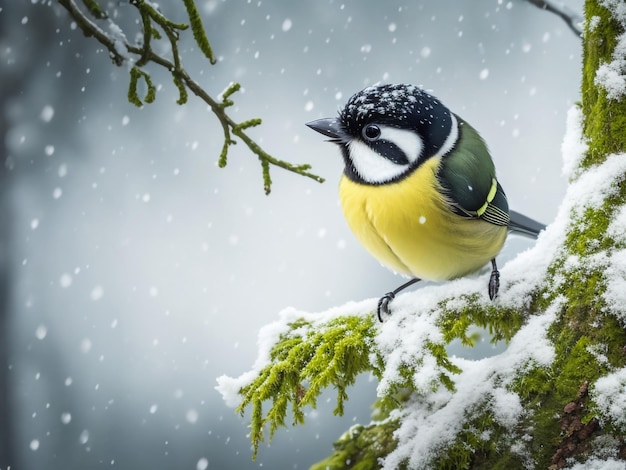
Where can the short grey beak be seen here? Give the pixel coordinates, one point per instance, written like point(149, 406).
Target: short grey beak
point(328, 127)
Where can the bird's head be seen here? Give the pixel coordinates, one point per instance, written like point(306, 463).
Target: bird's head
point(386, 131)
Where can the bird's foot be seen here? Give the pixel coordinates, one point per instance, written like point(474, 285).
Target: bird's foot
point(383, 305)
point(494, 281)
point(383, 302)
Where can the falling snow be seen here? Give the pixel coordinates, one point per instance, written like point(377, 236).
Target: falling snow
point(66, 418)
point(41, 332)
point(47, 113)
point(191, 416)
point(84, 437)
point(96, 293)
point(65, 280)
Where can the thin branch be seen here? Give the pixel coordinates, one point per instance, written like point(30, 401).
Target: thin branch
point(573, 19)
point(120, 50)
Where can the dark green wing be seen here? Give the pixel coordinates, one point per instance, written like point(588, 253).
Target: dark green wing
point(468, 177)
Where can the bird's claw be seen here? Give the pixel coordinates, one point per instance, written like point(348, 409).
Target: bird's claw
point(383, 305)
point(494, 284)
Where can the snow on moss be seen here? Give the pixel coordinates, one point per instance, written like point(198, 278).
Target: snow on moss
point(609, 395)
point(573, 147)
point(429, 423)
point(610, 76)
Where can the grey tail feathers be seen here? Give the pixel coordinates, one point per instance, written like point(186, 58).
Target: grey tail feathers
point(524, 225)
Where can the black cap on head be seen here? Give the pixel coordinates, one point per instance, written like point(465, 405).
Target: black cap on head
point(403, 106)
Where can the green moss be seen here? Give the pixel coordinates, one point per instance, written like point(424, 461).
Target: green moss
point(198, 31)
point(133, 96)
point(576, 365)
point(305, 361)
point(502, 323)
point(534, 384)
point(587, 234)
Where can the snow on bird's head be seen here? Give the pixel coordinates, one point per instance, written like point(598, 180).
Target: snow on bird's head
point(391, 104)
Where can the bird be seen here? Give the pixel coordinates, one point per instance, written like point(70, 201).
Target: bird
point(419, 188)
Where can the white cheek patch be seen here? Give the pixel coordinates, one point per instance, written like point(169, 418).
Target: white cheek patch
point(375, 168)
point(406, 140)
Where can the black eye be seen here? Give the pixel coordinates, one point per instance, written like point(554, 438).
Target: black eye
point(371, 132)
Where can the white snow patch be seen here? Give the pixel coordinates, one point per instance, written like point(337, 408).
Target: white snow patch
point(573, 147)
point(594, 21)
point(432, 421)
point(615, 293)
point(403, 337)
point(610, 76)
point(609, 394)
point(598, 464)
point(595, 185)
point(617, 227)
point(119, 39)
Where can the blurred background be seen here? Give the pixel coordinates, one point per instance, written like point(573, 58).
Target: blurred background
point(134, 271)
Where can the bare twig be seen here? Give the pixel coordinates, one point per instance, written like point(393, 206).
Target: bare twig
point(121, 51)
point(573, 19)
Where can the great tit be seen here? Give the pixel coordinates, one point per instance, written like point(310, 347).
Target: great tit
point(419, 187)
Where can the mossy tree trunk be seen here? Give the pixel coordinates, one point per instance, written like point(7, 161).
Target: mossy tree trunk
point(587, 323)
point(589, 338)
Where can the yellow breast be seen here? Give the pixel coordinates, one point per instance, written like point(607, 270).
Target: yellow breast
point(408, 227)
